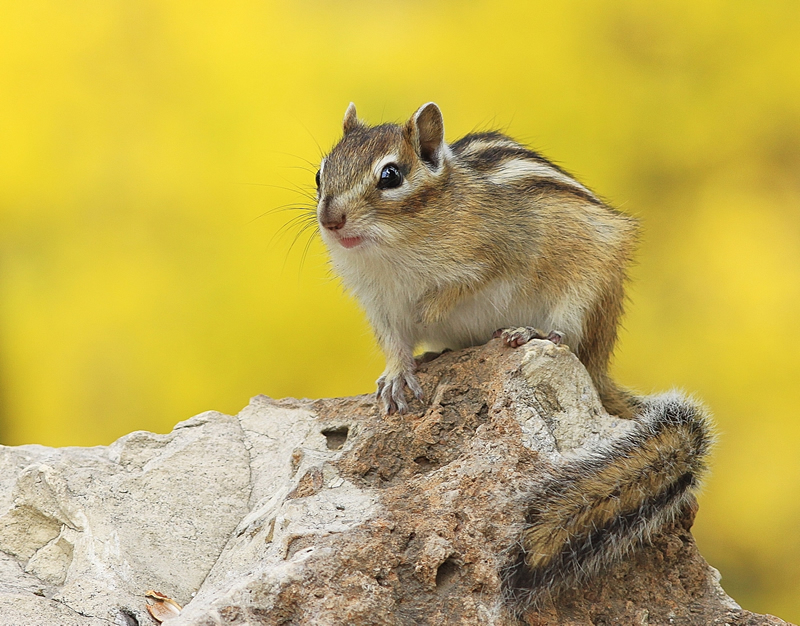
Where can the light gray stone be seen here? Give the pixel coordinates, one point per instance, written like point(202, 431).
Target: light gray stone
point(98, 527)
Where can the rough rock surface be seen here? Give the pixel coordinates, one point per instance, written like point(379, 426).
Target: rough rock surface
point(326, 512)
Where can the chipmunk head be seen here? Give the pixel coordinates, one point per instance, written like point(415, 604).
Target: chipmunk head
point(377, 178)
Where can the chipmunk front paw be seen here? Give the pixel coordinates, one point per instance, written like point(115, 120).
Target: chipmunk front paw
point(392, 391)
point(515, 337)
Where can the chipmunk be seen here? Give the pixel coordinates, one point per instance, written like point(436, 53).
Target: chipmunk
point(444, 244)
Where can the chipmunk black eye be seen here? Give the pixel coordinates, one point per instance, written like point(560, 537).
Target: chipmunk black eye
point(318, 171)
point(390, 177)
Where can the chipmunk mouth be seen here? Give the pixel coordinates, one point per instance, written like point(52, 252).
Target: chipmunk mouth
point(350, 242)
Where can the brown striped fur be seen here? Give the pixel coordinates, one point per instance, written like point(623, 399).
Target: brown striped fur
point(595, 509)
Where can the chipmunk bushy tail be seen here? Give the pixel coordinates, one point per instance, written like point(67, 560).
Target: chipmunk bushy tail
point(597, 508)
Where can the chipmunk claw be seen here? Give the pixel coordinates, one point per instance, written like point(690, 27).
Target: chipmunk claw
point(392, 391)
point(516, 337)
point(556, 336)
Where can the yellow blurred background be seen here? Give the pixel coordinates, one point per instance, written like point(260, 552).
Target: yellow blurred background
point(143, 145)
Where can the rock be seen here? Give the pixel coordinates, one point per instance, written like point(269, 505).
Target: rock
point(326, 512)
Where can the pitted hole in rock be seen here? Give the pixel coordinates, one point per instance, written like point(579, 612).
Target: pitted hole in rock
point(425, 464)
point(447, 573)
point(335, 438)
point(300, 546)
point(126, 617)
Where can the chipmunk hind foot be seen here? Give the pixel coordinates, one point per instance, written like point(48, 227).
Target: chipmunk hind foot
point(516, 337)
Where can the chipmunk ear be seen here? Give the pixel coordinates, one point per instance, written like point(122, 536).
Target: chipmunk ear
point(426, 132)
point(351, 121)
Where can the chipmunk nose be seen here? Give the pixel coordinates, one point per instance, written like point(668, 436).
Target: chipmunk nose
point(334, 223)
point(330, 218)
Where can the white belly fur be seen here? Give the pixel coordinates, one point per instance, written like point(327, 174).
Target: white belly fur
point(391, 305)
point(478, 316)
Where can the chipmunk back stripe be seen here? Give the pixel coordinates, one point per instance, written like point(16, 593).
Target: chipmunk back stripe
point(506, 162)
point(532, 176)
point(594, 510)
